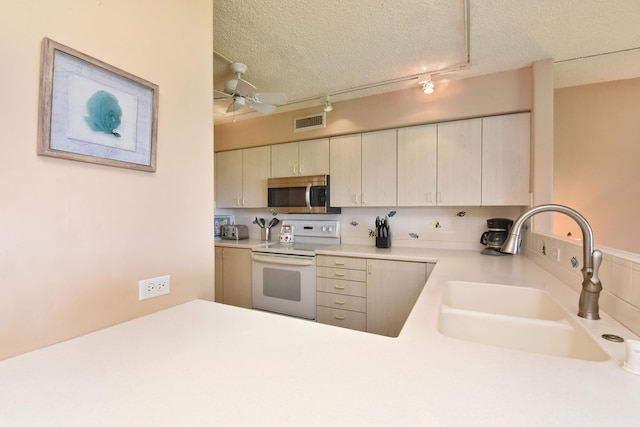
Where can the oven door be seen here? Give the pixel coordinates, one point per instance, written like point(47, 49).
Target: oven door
point(285, 284)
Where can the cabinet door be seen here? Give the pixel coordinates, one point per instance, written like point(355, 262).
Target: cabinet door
point(417, 165)
point(284, 160)
point(379, 178)
point(346, 170)
point(392, 290)
point(313, 157)
point(229, 179)
point(256, 170)
point(505, 160)
point(236, 277)
point(460, 163)
point(219, 282)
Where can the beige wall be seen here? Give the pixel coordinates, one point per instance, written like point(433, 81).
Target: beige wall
point(498, 93)
point(597, 160)
point(75, 238)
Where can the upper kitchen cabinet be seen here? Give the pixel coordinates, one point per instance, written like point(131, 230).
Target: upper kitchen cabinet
point(460, 163)
point(300, 158)
point(417, 165)
point(505, 160)
point(363, 169)
point(241, 177)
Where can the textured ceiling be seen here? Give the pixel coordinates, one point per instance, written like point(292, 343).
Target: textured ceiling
point(311, 48)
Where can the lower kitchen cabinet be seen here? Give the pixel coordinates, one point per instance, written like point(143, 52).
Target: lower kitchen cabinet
point(233, 276)
point(341, 285)
point(392, 290)
point(369, 295)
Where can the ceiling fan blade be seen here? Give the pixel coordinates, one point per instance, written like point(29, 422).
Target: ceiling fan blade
point(243, 87)
point(263, 108)
point(270, 98)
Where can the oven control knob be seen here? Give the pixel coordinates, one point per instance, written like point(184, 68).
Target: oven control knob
point(324, 228)
point(330, 229)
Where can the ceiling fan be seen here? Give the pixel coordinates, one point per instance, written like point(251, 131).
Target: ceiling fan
point(242, 93)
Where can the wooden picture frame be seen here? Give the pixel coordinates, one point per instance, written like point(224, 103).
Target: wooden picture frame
point(93, 112)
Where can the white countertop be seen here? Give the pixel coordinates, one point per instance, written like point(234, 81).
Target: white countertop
point(203, 363)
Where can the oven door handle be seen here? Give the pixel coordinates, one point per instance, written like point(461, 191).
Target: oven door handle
point(282, 260)
point(307, 196)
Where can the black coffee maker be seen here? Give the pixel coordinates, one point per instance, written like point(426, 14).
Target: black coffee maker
point(497, 234)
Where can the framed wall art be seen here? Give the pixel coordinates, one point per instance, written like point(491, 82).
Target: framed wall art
point(93, 112)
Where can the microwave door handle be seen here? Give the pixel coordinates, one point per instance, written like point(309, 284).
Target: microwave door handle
point(307, 196)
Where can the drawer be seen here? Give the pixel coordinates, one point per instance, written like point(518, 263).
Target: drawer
point(342, 287)
point(341, 273)
point(343, 318)
point(342, 302)
point(341, 262)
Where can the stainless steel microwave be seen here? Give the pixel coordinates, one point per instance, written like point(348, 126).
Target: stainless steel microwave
point(300, 194)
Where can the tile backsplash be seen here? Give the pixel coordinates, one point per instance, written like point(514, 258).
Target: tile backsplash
point(619, 273)
point(425, 227)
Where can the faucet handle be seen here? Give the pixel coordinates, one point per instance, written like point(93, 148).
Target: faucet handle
point(597, 261)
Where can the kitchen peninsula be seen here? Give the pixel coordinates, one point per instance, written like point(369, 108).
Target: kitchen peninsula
point(203, 363)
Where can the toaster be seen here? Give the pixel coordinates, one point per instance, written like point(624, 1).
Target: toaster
point(234, 232)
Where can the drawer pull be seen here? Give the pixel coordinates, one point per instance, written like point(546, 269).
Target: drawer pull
point(340, 302)
point(339, 317)
point(339, 287)
point(339, 263)
point(339, 274)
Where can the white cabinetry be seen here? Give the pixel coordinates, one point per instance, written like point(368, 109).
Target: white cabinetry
point(417, 165)
point(363, 169)
point(233, 277)
point(460, 163)
point(341, 292)
point(241, 177)
point(369, 295)
point(392, 290)
point(505, 160)
point(300, 158)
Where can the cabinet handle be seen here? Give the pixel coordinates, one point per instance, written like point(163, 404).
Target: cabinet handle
point(355, 199)
point(364, 199)
point(340, 302)
point(338, 262)
point(238, 202)
point(338, 287)
point(300, 169)
point(243, 201)
point(439, 197)
point(295, 169)
point(339, 317)
point(338, 274)
point(429, 199)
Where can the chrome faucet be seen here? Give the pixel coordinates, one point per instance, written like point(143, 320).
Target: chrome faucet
point(591, 286)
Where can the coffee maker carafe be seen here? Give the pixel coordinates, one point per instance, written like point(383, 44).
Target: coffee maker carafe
point(496, 235)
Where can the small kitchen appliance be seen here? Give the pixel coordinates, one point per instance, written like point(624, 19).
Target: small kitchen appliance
point(495, 237)
point(234, 232)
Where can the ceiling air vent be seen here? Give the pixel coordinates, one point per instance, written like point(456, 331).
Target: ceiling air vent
point(315, 121)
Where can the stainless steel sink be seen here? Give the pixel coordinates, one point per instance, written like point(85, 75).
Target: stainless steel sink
point(514, 317)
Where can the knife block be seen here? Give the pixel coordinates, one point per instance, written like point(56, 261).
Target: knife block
point(383, 242)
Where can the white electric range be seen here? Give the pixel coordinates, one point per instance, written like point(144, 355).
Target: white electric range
point(284, 274)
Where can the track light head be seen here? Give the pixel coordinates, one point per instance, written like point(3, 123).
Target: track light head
point(327, 105)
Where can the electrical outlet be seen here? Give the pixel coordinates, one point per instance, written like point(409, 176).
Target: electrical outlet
point(154, 287)
point(555, 254)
